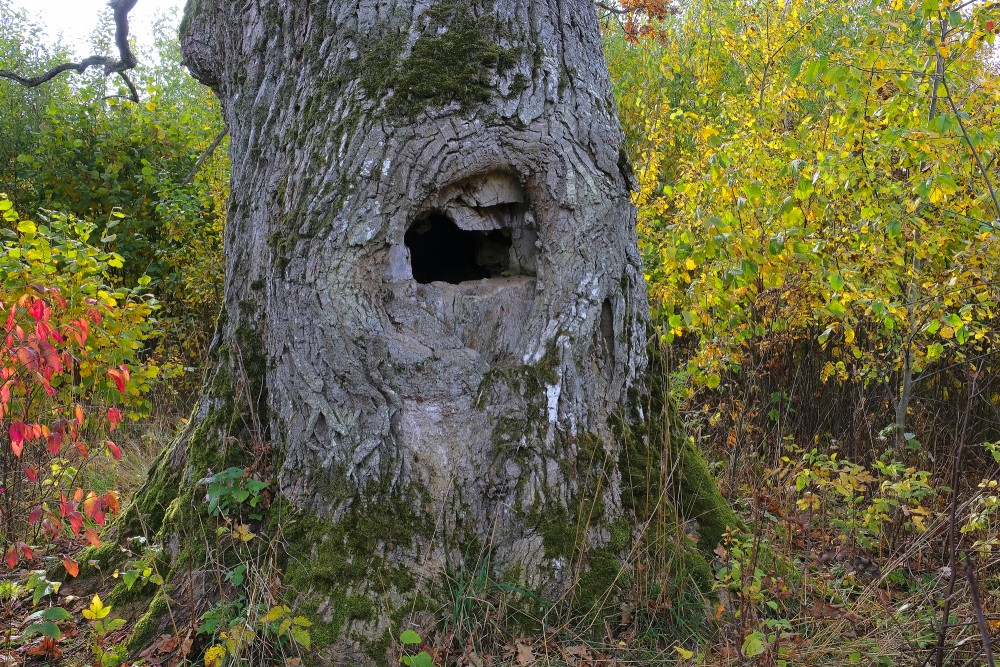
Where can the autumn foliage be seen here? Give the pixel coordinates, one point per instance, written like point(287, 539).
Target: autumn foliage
point(64, 380)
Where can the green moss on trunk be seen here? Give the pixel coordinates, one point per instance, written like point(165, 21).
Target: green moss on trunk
point(455, 59)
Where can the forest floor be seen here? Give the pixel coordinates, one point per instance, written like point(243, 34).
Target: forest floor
point(837, 564)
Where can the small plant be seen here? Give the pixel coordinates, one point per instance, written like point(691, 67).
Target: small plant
point(411, 641)
point(248, 624)
point(101, 627)
point(232, 490)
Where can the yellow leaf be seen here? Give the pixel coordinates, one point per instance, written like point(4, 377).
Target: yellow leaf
point(684, 653)
point(97, 610)
point(275, 613)
point(689, 264)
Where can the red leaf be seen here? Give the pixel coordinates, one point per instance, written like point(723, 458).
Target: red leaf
point(17, 437)
point(114, 417)
point(114, 449)
point(118, 378)
point(66, 507)
point(35, 514)
point(75, 523)
point(92, 537)
point(11, 558)
point(28, 357)
point(94, 508)
point(31, 472)
point(72, 567)
point(54, 441)
point(37, 310)
point(51, 357)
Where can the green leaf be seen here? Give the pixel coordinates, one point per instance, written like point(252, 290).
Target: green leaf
point(753, 645)
point(409, 637)
point(301, 636)
point(48, 629)
point(795, 66)
point(805, 188)
point(813, 71)
point(422, 659)
point(57, 614)
point(130, 577)
point(837, 308)
point(947, 184)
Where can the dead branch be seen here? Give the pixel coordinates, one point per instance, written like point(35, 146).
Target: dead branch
point(126, 59)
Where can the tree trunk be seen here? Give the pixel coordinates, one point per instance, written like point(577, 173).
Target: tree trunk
point(435, 319)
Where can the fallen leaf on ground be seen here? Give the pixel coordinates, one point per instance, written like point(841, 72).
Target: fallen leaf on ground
point(525, 656)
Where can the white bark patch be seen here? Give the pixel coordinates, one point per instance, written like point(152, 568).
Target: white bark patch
point(552, 393)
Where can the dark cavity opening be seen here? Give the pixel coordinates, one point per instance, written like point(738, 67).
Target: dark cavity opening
point(439, 250)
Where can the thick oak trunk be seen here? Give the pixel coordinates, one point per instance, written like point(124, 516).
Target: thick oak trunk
point(434, 331)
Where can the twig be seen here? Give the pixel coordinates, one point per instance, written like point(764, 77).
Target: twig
point(126, 59)
point(972, 147)
point(953, 524)
point(204, 156)
point(984, 630)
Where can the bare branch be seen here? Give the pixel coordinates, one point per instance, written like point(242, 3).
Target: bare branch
point(204, 156)
point(126, 59)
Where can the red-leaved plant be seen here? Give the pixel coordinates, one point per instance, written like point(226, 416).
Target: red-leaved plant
point(50, 436)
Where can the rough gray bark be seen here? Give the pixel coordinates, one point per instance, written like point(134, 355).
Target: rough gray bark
point(487, 405)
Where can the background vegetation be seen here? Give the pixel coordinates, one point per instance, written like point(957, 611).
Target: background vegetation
point(818, 215)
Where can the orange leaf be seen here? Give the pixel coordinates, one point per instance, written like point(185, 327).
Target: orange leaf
point(111, 501)
point(72, 567)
